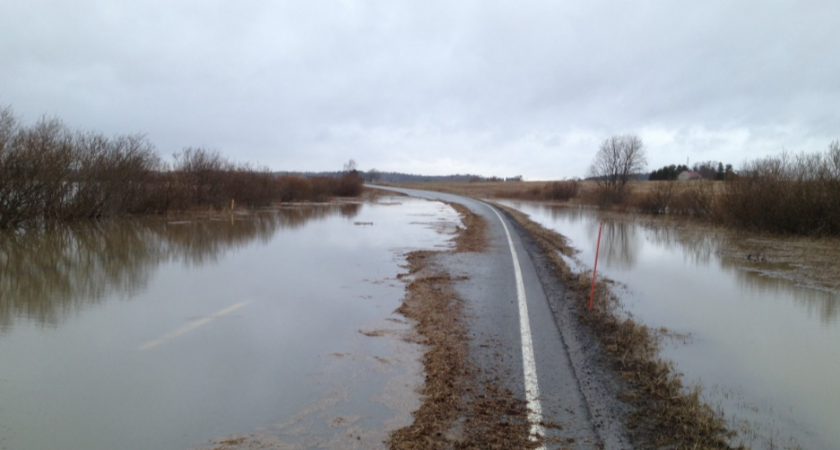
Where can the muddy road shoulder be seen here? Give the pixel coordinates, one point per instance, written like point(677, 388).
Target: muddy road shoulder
point(475, 389)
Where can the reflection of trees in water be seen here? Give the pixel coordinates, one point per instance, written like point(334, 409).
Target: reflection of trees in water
point(45, 275)
point(703, 246)
point(579, 214)
point(825, 304)
point(698, 248)
point(621, 242)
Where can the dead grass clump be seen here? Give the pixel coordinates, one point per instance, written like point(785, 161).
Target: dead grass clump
point(470, 238)
point(562, 190)
point(659, 199)
point(295, 188)
point(559, 191)
point(437, 313)
point(459, 410)
point(666, 414)
point(605, 197)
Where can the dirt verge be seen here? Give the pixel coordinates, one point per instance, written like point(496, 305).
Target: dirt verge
point(459, 409)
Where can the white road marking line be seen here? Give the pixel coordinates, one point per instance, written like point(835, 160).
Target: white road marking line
point(532, 386)
point(191, 326)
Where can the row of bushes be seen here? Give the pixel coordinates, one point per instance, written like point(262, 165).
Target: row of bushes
point(553, 191)
point(797, 194)
point(49, 172)
point(295, 188)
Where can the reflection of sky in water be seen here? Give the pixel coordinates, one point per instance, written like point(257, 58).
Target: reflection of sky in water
point(80, 304)
point(764, 343)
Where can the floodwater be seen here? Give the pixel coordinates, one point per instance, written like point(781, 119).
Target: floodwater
point(276, 327)
point(765, 350)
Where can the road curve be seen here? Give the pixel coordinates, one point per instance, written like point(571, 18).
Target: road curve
point(524, 335)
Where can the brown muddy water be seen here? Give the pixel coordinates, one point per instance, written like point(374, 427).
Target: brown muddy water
point(765, 350)
point(276, 327)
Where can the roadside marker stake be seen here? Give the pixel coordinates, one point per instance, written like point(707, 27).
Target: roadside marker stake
point(595, 269)
point(532, 386)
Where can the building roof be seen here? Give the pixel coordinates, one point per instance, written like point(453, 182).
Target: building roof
point(689, 175)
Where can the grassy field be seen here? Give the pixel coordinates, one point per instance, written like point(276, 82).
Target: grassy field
point(788, 201)
point(585, 191)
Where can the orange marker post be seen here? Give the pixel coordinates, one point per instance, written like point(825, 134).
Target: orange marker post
point(595, 269)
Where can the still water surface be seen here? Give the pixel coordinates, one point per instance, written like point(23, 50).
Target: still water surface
point(152, 334)
point(765, 350)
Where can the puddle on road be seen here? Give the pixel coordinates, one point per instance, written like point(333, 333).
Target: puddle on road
point(275, 327)
point(764, 348)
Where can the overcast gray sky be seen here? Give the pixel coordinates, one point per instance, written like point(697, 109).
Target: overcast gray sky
point(434, 87)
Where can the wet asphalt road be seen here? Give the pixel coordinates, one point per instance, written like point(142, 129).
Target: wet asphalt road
point(573, 393)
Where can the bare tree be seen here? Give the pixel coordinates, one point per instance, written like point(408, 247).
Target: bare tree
point(350, 166)
point(372, 176)
point(619, 157)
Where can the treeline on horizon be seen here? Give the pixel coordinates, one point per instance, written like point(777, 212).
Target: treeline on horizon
point(709, 170)
point(50, 172)
point(375, 176)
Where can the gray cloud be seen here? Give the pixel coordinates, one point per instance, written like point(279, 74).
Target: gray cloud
point(436, 87)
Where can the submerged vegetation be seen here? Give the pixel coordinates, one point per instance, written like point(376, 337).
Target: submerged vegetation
point(50, 172)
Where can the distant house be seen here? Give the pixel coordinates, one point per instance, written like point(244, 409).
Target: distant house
point(689, 175)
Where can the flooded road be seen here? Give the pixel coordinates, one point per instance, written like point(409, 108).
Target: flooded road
point(275, 327)
point(764, 349)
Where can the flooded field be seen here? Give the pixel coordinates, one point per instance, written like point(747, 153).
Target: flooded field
point(764, 348)
point(275, 327)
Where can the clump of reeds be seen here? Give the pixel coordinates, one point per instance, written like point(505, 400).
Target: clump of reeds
point(552, 191)
point(693, 199)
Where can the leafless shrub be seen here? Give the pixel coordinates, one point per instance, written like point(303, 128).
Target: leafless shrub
point(294, 188)
point(696, 199)
point(322, 188)
point(48, 172)
point(111, 176)
point(201, 174)
point(348, 185)
point(606, 196)
point(251, 186)
point(787, 194)
point(34, 170)
point(658, 200)
point(561, 190)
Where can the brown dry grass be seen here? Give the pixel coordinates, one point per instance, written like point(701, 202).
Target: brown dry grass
point(519, 189)
point(481, 189)
point(786, 195)
point(666, 413)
